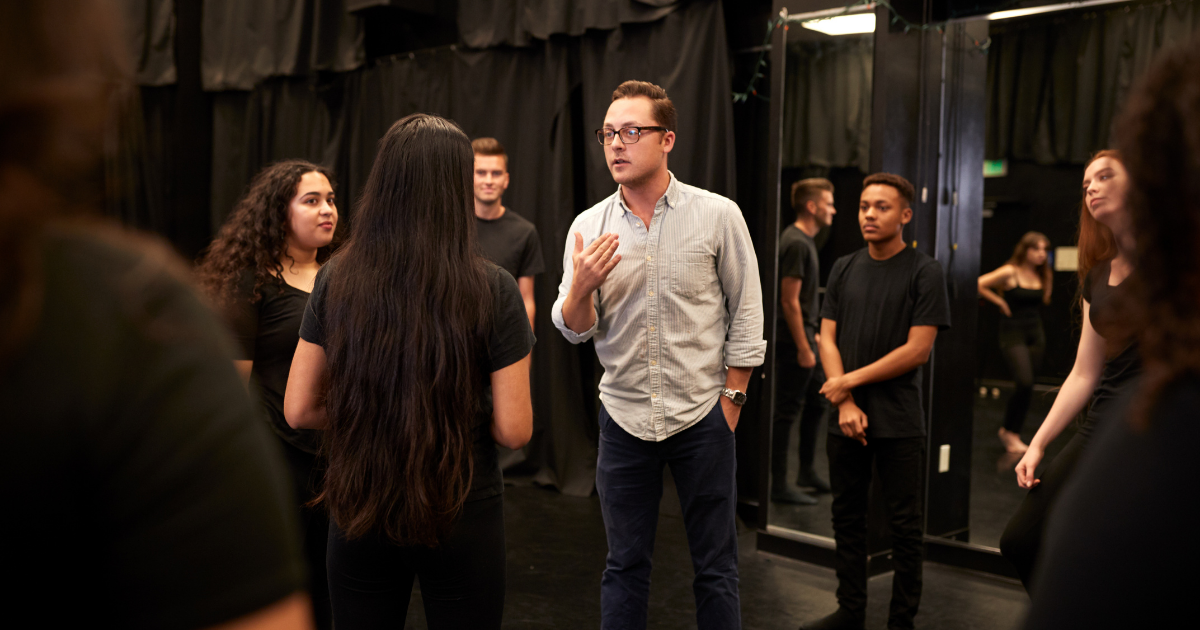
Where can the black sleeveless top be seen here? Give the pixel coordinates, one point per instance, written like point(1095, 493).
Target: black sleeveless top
point(1024, 303)
point(1122, 364)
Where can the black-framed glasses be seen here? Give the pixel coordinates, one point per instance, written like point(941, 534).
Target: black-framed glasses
point(629, 135)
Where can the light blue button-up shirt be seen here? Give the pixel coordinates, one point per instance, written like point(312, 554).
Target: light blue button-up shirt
point(683, 303)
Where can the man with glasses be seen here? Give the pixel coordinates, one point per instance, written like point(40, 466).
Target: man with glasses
point(667, 286)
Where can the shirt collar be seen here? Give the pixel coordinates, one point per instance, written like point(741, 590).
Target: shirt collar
point(671, 197)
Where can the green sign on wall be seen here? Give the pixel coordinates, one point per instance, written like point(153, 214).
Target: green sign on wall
point(995, 168)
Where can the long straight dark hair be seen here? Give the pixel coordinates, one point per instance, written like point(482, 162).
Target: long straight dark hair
point(1028, 242)
point(408, 313)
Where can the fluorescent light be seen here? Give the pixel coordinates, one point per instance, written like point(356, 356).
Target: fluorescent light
point(1014, 13)
point(843, 24)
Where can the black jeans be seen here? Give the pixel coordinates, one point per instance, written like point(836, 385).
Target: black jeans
point(462, 582)
point(1023, 342)
point(1021, 542)
point(901, 463)
point(630, 482)
point(797, 395)
point(307, 476)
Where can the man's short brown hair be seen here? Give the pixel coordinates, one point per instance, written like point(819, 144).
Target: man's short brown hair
point(807, 190)
point(902, 186)
point(662, 107)
point(489, 146)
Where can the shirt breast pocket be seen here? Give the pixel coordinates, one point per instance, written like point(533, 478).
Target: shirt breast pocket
point(692, 275)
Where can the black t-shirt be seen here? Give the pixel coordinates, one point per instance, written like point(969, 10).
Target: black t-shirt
point(1120, 544)
point(875, 303)
point(798, 259)
point(267, 330)
point(511, 340)
point(140, 485)
point(1122, 364)
point(511, 242)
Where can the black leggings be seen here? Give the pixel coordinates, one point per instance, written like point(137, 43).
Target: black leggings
point(1023, 343)
point(462, 582)
point(307, 477)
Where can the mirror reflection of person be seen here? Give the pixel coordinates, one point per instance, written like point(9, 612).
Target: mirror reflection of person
point(1019, 288)
point(260, 270)
point(414, 359)
point(798, 373)
point(677, 321)
point(1121, 547)
point(884, 305)
point(141, 488)
point(506, 238)
point(1106, 363)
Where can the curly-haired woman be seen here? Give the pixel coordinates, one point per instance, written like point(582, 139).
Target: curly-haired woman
point(260, 270)
point(414, 356)
point(1019, 288)
point(1106, 364)
point(1121, 544)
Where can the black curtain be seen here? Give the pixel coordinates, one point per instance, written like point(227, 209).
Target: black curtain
point(151, 36)
point(247, 41)
point(486, 23)
point(1056, 83)
point(827, 103)
point(685, 53)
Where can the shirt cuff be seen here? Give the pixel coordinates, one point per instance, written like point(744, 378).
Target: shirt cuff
point(743, 354)
point(572, 336)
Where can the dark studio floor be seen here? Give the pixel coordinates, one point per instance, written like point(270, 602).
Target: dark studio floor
point(556, 549)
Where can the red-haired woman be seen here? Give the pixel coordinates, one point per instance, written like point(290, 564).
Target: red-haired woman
point(1019, 288)
point(260, 270)
point(1106, 364)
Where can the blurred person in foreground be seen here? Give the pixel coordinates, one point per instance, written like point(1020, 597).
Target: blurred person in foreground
point(1119, 549)
point(141, 489)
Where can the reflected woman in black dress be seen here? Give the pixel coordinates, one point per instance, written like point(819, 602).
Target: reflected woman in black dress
point(1019, 288)
point(1106, 363)
point(259, 271)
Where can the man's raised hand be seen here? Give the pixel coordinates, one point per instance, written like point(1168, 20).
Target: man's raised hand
point(593, 263)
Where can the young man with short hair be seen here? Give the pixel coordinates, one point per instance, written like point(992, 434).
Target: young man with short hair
point(798, 374)
point(667, 287)
point(884, 305)
point(507, 238)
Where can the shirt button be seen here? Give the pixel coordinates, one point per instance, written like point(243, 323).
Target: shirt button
point(652, 329)
point(649, 258)
point(650, 293)
point(654, 395)
point(653, 362)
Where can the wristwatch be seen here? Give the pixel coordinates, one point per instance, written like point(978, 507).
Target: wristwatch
point(737, 396)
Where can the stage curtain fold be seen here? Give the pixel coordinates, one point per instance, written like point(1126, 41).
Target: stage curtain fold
point(245, 43)
point(486, 23)
point(686, 54)
point(150, 33)
point(1055, 84)
point(827, 103)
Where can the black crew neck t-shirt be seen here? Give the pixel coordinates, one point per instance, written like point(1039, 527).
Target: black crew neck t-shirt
point(510, 341)
point(267, 331)
point(1122, 361)
point(141, 487)
point(798, 259)
point(511, 242)
point(875, 303)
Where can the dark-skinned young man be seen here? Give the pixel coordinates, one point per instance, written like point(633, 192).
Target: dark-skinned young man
point(884, 305)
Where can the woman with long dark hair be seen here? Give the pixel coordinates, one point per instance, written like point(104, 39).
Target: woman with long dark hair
point(414, 358)
point(1121, 544)
point(1106, 363)
point(1024, 284)
point(259, 271)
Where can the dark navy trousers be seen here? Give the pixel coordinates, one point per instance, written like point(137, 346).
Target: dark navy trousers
point(629, 478)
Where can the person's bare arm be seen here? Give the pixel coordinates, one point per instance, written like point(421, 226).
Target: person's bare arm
point(590, 267)
point(737, 378)
point(244, 368)
point(290, 613)
point(304, 398)
point(1074, 394)
point(913, 353)
point(998, 279)
point(851, 419)
point(525, 285)
point(512, 409)
point(789, 303)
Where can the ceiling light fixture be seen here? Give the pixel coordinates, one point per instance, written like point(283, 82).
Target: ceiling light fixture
point(843, 24)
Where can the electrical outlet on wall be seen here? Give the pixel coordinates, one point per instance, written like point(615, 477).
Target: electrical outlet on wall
point(944, 458)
